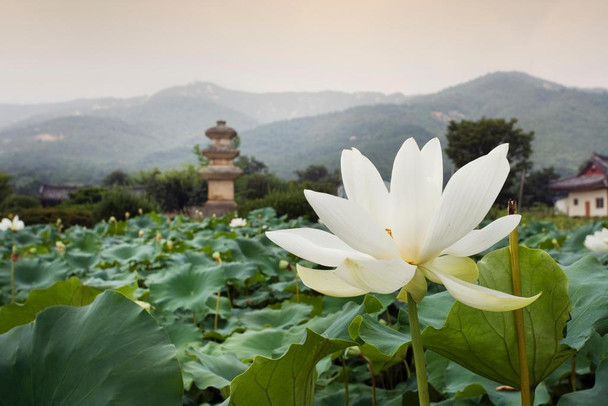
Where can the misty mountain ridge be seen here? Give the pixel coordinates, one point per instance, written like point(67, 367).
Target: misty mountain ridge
point(283, 128)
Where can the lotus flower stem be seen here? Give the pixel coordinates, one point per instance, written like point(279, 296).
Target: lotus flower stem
point(13, 260)
point(371, 372)
point(423, 386)
point(524, 373)
point(573, 373)
point(217, 310)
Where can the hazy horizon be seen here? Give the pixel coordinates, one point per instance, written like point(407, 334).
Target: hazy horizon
point(70, 49)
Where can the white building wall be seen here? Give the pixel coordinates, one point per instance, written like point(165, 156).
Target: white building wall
point(587, 196)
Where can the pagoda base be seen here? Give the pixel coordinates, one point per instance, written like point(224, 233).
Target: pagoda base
point(219, 208)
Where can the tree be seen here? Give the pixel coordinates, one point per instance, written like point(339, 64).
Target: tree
point(313, 173)
point(116, 178)
point(5, 186)
point(250, 165)
point(468, 140)
point(537, 187)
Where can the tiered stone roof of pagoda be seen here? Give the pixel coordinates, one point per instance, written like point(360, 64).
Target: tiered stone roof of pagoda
point(593, 176)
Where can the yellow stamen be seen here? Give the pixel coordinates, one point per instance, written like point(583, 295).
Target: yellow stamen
point(389, 232)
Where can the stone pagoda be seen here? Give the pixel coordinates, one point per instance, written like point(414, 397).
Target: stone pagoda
point(220, 173)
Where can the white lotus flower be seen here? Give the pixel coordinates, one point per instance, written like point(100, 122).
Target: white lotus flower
point(597, 241)
point(383, 241)
point(238, 222)
point(14, 225)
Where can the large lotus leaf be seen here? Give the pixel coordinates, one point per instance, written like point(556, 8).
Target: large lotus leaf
point(288, 380)
point(111, 352)
point(270, 342)
point(434, 309)
point(384, 338)
point(594, 396)
point(125, 253)
point(78, 259)
point(361, 395)
point(71, 292)
point(485, 342)
point(289, 314)
point(239, 272)
point(84, 240)
point(34, 273)
point(213, 370)
point(187, 287)
point(589, 294)
point(460, 384)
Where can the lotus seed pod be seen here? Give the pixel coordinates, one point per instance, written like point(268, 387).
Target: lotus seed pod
point(283, 264)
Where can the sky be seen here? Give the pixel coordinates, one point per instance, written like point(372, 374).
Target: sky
point(65, 49)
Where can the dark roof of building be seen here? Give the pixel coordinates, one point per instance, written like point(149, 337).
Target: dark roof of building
point(55, 192)
point(586, 179)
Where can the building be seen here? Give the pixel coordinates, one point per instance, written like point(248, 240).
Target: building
point(585, 194)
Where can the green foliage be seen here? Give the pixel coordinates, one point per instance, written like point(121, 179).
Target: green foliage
point(256, 186)
point(71, 293)
point(468, 140)
point(288, 380)
point(485, 342)
point(314, 173)
point(117, 201)
point(110, 352)
point(536, 187)
point(5, 186)
point(85, 196)
point(250, 165)
point(70, 216)
point(290, 202)
point(174, 189)
point(116, 178)
point(227, 296)
point(15, 203)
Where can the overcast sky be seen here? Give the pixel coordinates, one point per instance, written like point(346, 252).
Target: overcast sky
point(63, 49)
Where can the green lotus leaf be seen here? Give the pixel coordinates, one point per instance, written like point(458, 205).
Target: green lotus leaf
point(289, 380)
point(589, 294)
point(215, 371)
point(459, 384)
point(71, 293)
point(485, 342)
point(594, 396)
point(125, 253)
point(187, 287)
point(34, 273)
point(84, 240)
point(289, 314)
point(111, 352)
point(384, 338)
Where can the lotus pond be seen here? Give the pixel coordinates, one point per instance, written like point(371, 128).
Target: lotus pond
point(159, 311)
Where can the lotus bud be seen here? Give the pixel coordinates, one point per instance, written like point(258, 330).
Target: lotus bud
point(60, 247)
point(352, 352)
point(216, 255)
point(112, 220)
point(159, 237)
point(170, 245)
point(140, 211)
point(32, 251)
point(283, 264)
point(127, 215)
point(140, 234)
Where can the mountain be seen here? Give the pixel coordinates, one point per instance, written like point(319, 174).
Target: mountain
point(159, 130)
point(82, 140)
point(269, 107)
point(569, 124)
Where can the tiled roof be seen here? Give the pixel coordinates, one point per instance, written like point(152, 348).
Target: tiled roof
point(585, 182)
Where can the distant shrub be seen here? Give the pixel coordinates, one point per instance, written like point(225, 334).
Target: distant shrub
point(85, 195)
point(14, 203)
point(70, 216)
point(256, 186)
point(115, 202)
point(290, 202)
point(176, 189)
